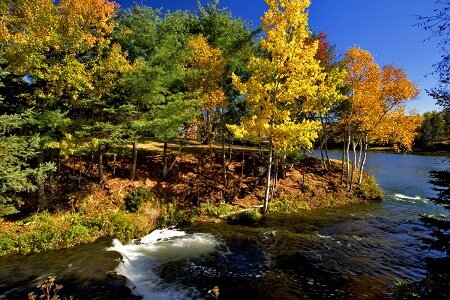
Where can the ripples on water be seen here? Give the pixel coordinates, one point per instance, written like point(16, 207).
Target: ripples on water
point(351, 252)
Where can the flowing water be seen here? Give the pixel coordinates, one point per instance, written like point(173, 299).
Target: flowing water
point(353, 252)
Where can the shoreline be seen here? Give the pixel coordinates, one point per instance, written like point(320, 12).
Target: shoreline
point(100, 212)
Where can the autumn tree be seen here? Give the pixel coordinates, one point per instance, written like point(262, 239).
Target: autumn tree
point(334, 93)
point(284, 84)
point(64, 54)
point(375, 105)
point(236, 43)
point(209, 67)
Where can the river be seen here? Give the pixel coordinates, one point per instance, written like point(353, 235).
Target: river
point(353, 252)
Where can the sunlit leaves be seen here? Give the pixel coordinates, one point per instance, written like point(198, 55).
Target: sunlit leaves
point(63, 48)
point(376, 100)
point(286, 82)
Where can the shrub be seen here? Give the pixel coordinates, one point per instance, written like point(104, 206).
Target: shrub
point(38, 241)
point(76, 233)
point(121, 227)
point(47, 289)
point(94, 223)
point(368, 189)
point(7, 245)
point(295, 157)
point(217, 211)
point(288, 204)
point(136, 197)
point(172, 216)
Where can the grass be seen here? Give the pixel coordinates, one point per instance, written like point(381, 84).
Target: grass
point(48, 231)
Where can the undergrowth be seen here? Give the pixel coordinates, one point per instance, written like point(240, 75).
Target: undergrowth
point(48, 231)
point(368, 189)
point(288, 204)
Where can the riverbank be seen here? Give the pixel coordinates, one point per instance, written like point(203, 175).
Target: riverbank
point(194, 192)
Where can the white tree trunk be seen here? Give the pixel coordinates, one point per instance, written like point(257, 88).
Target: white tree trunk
point(269, 169)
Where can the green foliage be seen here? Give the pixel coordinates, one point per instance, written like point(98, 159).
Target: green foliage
point(17, 175)
point(368, 189)
point(44, 231)
point(172, 216)
point(160, 45)
point(217, 211)
point(433, 131)
point(246, 218)
point(295, 157)
point(120, 226)
point(136, 198)
point(76, 233)
point(288, 204)
point(7, 244)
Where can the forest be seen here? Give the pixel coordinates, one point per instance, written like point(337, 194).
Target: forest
point(117, 121)
point(104, 109)
point(87, 79)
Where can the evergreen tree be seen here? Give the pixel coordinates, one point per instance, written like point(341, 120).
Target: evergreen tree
point(18, 176)
point(432, 131)
point(157, 88)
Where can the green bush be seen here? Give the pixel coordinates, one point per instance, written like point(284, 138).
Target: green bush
point(295, 157)
point(7, 245)
point(288, 204)
point(136, 198)
point(172, 216)
point(41, 220)
point(76, 232)
point(121, 227)
point(95, 223)
point(217, 211)
point(38, 241)
point(368, 189)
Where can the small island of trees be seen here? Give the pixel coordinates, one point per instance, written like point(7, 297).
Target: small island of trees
point(103, 109)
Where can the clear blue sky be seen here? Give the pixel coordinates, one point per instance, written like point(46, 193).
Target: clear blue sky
point(384, 27)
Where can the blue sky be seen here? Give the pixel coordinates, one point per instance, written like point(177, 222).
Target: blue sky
point(384, 27)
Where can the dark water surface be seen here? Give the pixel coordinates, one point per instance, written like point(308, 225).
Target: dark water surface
point(354, 252)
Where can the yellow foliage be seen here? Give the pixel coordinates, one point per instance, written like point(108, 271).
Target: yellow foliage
point(287, 80)
point(376, 100)
point(63, 44)
point(209, 66)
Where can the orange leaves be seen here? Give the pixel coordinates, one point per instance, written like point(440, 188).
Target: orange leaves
point(376, 100)
point(396, 87)
point(89, 19)
point(398, 129)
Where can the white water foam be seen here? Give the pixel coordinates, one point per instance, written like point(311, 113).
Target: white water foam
point(324, 236)
point(141, 258)
point(402, 197)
